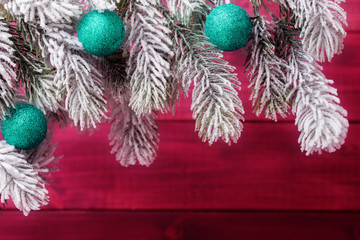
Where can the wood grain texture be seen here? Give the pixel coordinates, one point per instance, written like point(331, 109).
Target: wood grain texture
point(75, 225)
point(265, 170)
point(194, 191)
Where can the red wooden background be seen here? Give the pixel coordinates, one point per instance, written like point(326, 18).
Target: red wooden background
point(263, 187)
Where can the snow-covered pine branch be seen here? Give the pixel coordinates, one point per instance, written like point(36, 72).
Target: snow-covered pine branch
point(20, 181)
point(184, 10)
point(219, 2)
point(77, 78)
point(321, 23)
point(266, 72)
point(133, 138)
point(187, 12)
point(150, 52)
point(320, 119)
point(33, 74)
point(7, 73)
point(216, 105)
point(84, 94)
point(44, 11)
point(114, 68)
point(102, 5)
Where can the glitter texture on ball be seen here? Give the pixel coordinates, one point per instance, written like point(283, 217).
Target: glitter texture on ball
point(25, 127)
point(228, 27)
point(101, 33)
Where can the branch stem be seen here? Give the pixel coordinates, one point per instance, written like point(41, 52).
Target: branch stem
point(274, 17)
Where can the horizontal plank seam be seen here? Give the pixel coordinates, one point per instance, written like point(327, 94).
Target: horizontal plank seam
point(196, 211)
point(246, 121)
point(353, 31)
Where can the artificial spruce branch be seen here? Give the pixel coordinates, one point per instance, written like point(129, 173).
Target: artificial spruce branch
point(192, 12)
point(266, 72)
point(114, 71)
point(33, 74)
point(20, 181)
point(320, 119)
point(184, 11)
point(150, 53)
point(77, 79)
point(216, 105)
point(43, 11)
point(7, 72)
point(133, 138)
point(102, 5)
point(322, 26)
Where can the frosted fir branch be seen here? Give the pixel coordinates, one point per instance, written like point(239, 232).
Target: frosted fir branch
point(266, 72)
point(219, 2)
point(134, 139)
point(183, 11)
point(114, 68)
point(150, 53)
point(125, 8)
point(102, 5)
point(77, 79)
point(216, 106)
point(33, 75)
point(192, 12)
point(322, 26)
point(44, 11)
point(320, 119)
point(84, 92)
point(20, 181)
point(7, 73)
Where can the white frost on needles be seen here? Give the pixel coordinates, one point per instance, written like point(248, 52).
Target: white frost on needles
point(78, 81)
point(266, 72)
point(102, 5)
point(322, 26)
point(133, 138)
point(320, 119)
point(7, 73)
point(23, 173)
point(20, 181)
point(44, 11)
point(150, 52)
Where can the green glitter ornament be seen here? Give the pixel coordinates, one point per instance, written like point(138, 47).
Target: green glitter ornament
point(228, 27)
point(101, 33)
point(25, 127)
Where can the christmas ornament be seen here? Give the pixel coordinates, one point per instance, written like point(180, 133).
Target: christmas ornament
point(228, 27)
point(25, 127)
point(101, 33)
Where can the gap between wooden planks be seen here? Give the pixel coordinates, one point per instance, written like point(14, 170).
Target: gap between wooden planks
point(59, 225)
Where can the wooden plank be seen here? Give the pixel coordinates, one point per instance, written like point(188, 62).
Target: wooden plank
point(344, 70)
point(180, 225)
point(265, 170)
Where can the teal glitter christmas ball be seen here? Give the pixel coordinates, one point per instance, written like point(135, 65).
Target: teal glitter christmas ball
point(228, 27)
point(101, 33)
point(25, 127)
